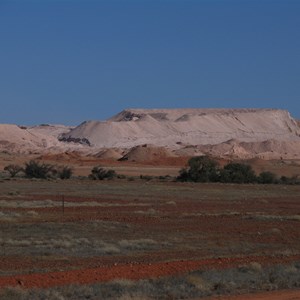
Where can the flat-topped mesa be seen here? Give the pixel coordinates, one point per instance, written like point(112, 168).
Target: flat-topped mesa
point(241, 133)
point(172, 114)
point(173, 127)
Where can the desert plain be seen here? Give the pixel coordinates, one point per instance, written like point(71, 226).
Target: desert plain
point(144, 235)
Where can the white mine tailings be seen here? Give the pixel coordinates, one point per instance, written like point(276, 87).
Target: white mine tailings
point(240, 133)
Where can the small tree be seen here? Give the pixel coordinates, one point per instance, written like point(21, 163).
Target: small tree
point(64, 172)
point(267, 178)
point(110, 174)
point(238, 173)
point(101, 174)
point(13, 170)
point(200, 169)
point(183, 175)
point(34, 169)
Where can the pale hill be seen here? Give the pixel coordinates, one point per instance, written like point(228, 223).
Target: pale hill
point(238, 133)
point(269, 149)
point(38, 139)
point(50, 130)
point(19, 139)
point(189, 151)
point(175, 128)
point(147, 153)
point(110, 154)
point(61, 157)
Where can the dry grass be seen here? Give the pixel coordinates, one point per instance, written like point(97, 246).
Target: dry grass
point(50, 203)
point(154, 221)
point(70, 239)
point(142, 244)
point(245, 279)
point(265, 217)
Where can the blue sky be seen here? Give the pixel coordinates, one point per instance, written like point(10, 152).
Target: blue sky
point(70, 61)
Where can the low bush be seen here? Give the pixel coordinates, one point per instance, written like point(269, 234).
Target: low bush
point(146, 177)
point(34, 169)
point(237, 173)
point(205, 169)
point(99, 173)
point(200, 169)
point(164, 177)
point(267, 178)
point(289, 180)
point(64, 172)
point(13, 170)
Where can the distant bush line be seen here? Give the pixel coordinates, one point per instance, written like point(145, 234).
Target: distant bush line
point(205, 169)
point(35, 169)
point(40, 170)
point(199, 169)
point(101, 174)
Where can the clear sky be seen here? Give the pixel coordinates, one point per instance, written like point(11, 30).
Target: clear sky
point(70, 61)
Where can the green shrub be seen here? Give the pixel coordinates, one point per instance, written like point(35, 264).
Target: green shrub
point(146, 177)
point(267, 178)
point(34, 169)
point(205, 169)
point(64, 172)
point(99, 173)
point(289, 180)
point(183, 175)
point(13, 170)
point(164, 177)
point(200, 169)
point(238, 173)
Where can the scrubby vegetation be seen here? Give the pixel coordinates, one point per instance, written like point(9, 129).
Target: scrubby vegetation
point(35, 169)
point(200, 169)
point(13, 170)
point(237, 173)
point(248, 278)
point(131, 224)
point(205, 169)
point(146, 177)
point(267, 177)
point(99, 173)
point(64, 172)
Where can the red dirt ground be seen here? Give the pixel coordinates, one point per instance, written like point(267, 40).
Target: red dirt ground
point(130, 271)
point(188, 217)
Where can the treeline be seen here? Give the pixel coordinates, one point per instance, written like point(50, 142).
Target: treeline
point(35, 169)
point(199, 169)
point(205, 169)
